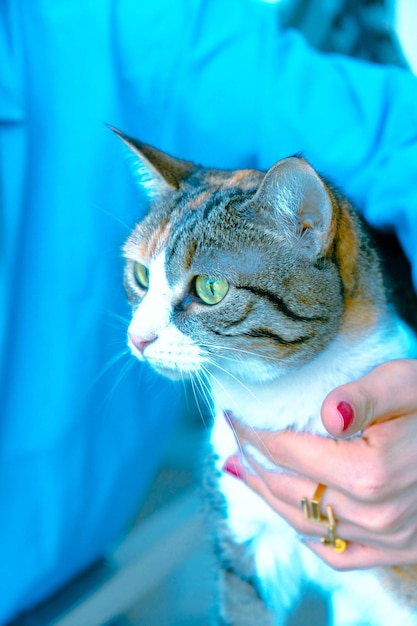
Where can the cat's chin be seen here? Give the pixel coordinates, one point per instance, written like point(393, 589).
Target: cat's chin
point(173, 373)
point(167, 372)
point(257, 372)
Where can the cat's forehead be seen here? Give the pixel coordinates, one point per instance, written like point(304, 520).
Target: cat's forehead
point(206, 185)
point(201, 213)
point(238, 179)
point(148, 240)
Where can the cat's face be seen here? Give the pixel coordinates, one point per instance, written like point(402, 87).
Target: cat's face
point(231, 271)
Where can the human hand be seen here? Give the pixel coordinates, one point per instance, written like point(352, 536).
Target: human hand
point(371, 479)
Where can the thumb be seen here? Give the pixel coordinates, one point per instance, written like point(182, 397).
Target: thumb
point(388, 391)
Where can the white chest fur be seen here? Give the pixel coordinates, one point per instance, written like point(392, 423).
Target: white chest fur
point(294, 400)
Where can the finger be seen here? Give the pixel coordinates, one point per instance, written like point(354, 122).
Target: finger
point(289, 507)
point(286, 502)
point(387, 392)
point(359, 556)
point(321, 459)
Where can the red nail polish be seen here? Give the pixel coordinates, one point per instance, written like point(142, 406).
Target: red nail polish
point(234, 467)
point(346, 413)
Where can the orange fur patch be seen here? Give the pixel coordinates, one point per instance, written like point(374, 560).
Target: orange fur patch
point(360, 315)
point(242, 179)
point(159, 240)
point(402, 581)
point(406, 572)
point(199, 200)
point(145, 249)
point(134, 250)
point(360, 312)
point(347, 252)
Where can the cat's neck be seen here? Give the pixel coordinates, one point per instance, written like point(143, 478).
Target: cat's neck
point(294, 399)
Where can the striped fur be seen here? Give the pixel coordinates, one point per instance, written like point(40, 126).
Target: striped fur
point(307, 309)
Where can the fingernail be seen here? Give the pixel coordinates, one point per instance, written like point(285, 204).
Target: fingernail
point(234, 467)
point(346, 413)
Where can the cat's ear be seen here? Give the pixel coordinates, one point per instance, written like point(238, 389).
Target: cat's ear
point(156, 171)
point(301, 204)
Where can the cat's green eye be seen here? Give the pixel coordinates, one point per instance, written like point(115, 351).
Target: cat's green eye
point(141, 275)
point(210, 290)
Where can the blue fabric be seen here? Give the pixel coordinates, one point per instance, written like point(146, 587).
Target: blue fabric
point(81, 432)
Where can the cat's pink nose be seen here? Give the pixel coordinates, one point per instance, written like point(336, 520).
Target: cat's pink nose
point(141, 342)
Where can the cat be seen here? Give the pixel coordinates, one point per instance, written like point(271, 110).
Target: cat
point(266, 288)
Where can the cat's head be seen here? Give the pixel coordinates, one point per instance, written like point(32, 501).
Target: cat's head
point(231, 270)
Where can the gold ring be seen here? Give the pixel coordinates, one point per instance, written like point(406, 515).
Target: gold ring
point(312, 512)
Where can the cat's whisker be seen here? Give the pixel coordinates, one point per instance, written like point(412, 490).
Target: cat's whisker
point(110, 363)
point(118, 317)
point(193, 389)
point(127, 366)
point(236, 379)
point(116, 218)
point(131, 362)
point(206, 389)
point(205, 395)
point(249, 353)
point(267, 453)
point(117, 322)
point(208, 374)
point(197, 395)
point(184, 386)
point(188, 382)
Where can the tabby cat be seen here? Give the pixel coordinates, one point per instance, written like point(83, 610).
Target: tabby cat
point(266, 289)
